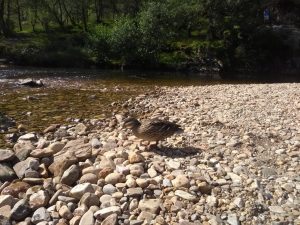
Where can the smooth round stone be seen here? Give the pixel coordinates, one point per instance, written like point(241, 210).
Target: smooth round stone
point(105, 198)
point(117, 195)
point(89, 178)
point(137, 170)
point(80, 189)
point(114, 178)
point(131, 182)
point(142, 182)
point(109, 189)
point(6, 155)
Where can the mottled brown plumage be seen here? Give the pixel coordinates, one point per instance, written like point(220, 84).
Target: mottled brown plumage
point(152, 130)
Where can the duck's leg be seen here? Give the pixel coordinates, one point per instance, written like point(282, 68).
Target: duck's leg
point(153, 146)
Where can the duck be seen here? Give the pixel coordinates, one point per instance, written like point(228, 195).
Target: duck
point(152, 129)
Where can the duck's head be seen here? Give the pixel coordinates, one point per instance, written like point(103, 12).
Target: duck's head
point(131, 123)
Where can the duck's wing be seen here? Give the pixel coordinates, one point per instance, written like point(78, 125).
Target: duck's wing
point(163, 126)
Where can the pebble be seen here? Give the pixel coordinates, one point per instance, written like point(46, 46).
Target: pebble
point(233, 219)
point(185, 195)
point(80, 189)
point(87, 218)
point(6, 155)
point(103, 213)
point(40, 215)
point(71, 175)
point(110, 220)
point(134, 192)
point(135, 157)
point(150, 205)
point(172, 164)
point(181, 181)
point(114, 178)
point(20, 210)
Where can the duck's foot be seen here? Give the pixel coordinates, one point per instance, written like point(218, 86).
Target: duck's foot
point(154, 146)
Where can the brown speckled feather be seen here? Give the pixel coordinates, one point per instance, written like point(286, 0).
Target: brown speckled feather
point(155, 130)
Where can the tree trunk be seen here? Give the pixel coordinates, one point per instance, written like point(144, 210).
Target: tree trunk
point(8, 14)
point(69, 16)
point(3, 28)
point(84, 14)
point(98, 10)
point(19, 15)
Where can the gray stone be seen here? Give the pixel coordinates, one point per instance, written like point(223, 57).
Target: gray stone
point(20, 210)
point(267, 172)
point(28, 137)
point(6, 155)
point(71, 175)
point(167, 183)
point(41, 214)
point(235, 178)
point(233, 219)
point(239, 202)
point(172, 164)
point(95, 143)
point(134, 192)
point(109, 189)
point(211, 201)
point(6, 173)
point(21, 167)
point(185, 195)
point(80, 189)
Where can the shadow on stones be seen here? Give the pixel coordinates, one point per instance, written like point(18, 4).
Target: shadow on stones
point(176, 152)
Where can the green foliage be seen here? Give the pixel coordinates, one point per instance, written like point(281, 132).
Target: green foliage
point(146, 32)
point(124, 40)
point(62, 50)
point(99, 44)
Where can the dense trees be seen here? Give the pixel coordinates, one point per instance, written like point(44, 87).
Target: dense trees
point(152, 32)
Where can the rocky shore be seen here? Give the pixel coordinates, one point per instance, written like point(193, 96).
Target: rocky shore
point(238, 162)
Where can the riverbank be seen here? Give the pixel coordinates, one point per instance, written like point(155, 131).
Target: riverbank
point(237, 162)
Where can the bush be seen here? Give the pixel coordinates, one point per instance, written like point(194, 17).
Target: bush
point(99, 44)
point(125, 40)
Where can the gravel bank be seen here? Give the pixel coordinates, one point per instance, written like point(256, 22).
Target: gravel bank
point(236, 163)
